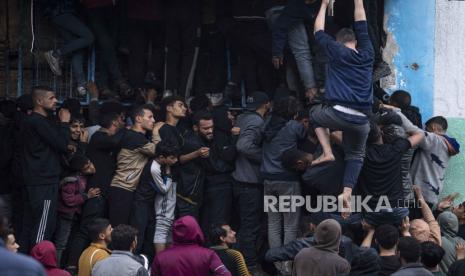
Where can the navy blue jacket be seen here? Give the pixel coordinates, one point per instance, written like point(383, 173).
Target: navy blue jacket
point(349, 72)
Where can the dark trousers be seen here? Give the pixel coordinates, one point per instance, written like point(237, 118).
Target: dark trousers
point(210, 75)
point(182, 45)
point(93, 208)
point(40, 214)
point(77, 37)
point(217, 204)
point(142, 34)
point(119, 205)
point(375, 14)
point(251, 41)
point(248, 200)
point(184, 208)
point(103, 23)
point(143, 219)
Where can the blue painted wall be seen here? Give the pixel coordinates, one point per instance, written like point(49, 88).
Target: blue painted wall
point(412, 24)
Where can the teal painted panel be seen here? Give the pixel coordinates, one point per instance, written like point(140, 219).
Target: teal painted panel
point(455, 176)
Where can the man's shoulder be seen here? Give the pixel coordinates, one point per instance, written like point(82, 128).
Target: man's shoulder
point(19, 263)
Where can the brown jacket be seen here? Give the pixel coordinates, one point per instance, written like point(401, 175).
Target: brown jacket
point(135, 152)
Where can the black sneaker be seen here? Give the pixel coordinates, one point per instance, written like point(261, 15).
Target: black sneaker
point(382, 70)
point(53, 61)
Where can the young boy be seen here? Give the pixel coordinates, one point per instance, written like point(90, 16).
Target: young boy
point(348, 91)
point(430, 162)
point(156, 188)
point(72, 196)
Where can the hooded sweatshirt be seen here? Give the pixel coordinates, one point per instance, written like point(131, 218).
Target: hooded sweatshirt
point(187, 257)
point(449, 227)
point(430, 164)
point(46, 253)
point(322, 259)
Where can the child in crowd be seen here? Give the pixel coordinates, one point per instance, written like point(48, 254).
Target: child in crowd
point(72, 195)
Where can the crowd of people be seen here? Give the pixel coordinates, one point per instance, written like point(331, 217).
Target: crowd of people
point(162, 186)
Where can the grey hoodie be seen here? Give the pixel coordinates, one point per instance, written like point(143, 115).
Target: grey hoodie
point(119, 263)
point(249, 148)
point(430, 164)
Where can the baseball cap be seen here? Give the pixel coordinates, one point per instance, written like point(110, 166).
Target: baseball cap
point(257, 99)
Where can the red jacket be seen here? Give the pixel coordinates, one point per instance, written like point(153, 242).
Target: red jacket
point(187, 257)
point(72, 195)
point(46, 254)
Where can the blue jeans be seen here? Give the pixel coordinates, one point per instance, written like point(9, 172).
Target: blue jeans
point(300, 48)
point(76, 37)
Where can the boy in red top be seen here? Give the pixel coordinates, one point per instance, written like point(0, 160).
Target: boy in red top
point(72, 196)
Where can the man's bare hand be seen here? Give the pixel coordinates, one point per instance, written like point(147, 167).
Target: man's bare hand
point(204, 152)
point(84, 138)
point(277, 62)
point(405, 227)
point(156, 128)
point(93, 90)
point(64, 115)
point(235, 131)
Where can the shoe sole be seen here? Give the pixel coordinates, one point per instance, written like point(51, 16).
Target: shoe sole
point(49, 60)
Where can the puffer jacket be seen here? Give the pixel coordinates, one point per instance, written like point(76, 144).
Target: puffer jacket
point(72, 195)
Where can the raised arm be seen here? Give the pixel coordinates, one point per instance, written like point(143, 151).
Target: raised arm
point(359, 14)
point(321, 17)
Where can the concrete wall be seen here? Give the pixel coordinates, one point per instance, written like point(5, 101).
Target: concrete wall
point(449, 84)
point(425, 48)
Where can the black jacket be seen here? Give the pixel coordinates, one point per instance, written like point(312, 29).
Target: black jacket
point(220, 163)
point(7, 129)
point(191, 174)
point(42, 148)
point(288, 252)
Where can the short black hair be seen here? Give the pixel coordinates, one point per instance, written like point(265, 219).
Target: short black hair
point(302, 114)
point(77, 117)
point(217, 232)
point(401, 99)
point(139, 111)
point(410, 249)
point(201, 115)
point(374, 134)
point(96, 227)
point(290, 157)
point(39, 91)
point(387, 236)
point(166, 148)
point(431, 254)
point(168, 101)
point(345, 35)
point(73, 105)
point(77, 162)
point(200, 102)
point(111, 106)
point(287, 108)
point(439, 120)
point(106, 120)
point(122, 237)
